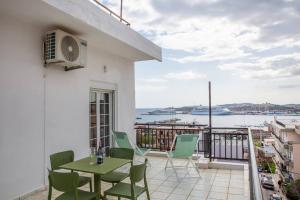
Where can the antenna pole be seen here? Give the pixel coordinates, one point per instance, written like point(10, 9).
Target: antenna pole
point(121, 11)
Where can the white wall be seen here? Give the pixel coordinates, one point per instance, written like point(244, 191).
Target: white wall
point(31, 96)
point(21, 109)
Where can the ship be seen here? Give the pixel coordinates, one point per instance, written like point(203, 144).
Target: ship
point(204, 110)
point(163, 112)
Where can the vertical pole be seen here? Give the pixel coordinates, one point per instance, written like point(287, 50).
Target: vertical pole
point(121, 11)
point(209, 125)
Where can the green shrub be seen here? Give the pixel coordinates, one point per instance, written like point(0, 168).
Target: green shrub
point(293, 190)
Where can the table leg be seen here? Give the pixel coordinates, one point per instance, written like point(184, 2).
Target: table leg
point(97, 185)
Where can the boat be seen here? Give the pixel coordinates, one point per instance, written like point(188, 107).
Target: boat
point(163, 112)
point(204, 110)
point(168, 121)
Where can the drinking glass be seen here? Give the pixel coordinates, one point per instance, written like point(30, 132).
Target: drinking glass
point(92, 155)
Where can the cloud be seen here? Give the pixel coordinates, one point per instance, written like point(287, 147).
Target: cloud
point(150, 88)
point(273, 67)
point(289, 86)
point(153, 80)
point(188, 75)
point(215, 30)
point(275, 19)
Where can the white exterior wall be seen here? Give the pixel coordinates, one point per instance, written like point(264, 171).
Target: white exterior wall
point(43, 111)
point(21, 109)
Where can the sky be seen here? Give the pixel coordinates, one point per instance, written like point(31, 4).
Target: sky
point(248, 49)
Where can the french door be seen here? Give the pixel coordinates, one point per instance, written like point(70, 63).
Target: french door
point(101, 118)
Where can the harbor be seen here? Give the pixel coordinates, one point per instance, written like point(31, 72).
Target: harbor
point(233, 120)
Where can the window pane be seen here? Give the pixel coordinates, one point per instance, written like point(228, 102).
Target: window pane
point(93, 109)
point(101, 144)
point(106, 98)
point(102, 120)
point(93, 97)
point(107, 108)
point(101, 98)
point(93, 133)
point(107, 141)
point(93, 121)
point(106, 130)
point(102, 131)
point(93, 143)
point(101, 108)
point(106, 119)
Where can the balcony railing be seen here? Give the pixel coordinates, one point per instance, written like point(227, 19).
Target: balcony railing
point(255, 187)
point(222, 143)
point(112, 13)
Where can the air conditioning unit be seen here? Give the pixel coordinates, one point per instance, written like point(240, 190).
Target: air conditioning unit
point(64, 49)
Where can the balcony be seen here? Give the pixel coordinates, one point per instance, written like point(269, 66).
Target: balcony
point(230, 171)
point(213, 184)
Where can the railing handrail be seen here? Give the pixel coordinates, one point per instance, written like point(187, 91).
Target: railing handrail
point(112, 13)
point(256, 192)
point(168, 124)
point(197, 125)
point(179, 129)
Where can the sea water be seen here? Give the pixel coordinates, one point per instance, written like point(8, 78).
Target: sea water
point(217, 120)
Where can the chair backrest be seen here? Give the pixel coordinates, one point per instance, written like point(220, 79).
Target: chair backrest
point(121, 153)
point(138, 172)
point(122, 140)
point(64, 182)
point(61, 158)
point(185, 145)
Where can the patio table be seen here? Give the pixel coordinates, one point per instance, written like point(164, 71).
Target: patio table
point(83, 165)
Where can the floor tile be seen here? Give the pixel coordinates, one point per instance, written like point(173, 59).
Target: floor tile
point(164, 185)
point(217, 195)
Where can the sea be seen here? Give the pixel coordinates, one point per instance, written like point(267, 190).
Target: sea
point(217, 120)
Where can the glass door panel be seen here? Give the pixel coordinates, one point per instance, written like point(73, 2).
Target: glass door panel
point(93, 119)
point(101, 115)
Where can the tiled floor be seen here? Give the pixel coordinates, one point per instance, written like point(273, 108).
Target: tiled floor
point(163, 184)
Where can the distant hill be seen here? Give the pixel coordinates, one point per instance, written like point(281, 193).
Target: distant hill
point(238, 107)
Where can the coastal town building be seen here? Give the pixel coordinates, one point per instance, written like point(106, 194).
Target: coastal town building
point(45, 109)
point(287, 147)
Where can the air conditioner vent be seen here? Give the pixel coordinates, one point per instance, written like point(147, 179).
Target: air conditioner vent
point(69, 48)
point(50, 46)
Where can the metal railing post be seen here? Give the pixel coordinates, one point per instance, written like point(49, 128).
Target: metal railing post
point(209, 101)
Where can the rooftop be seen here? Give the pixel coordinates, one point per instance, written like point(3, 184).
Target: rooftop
point(163, 184)
point(288, 123)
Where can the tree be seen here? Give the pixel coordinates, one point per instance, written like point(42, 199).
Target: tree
point(293, 190)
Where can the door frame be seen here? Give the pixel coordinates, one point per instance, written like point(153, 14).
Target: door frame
point(102, 86)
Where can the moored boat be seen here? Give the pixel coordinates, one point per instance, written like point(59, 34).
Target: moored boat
point(204, 110)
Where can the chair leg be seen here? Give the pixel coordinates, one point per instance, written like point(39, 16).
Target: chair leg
point(167, 164)
point(147, 192)
point(173, 167)
point(197, 169)
point(49, 192)
point(149, 163)
point(187, 164)
point(91, 186)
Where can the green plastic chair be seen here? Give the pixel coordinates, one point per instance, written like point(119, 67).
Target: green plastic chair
point(68, 183)
point(184, 149)
point(131, 190)
point(123, 141)
point(115, 176)
point(62, 158)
